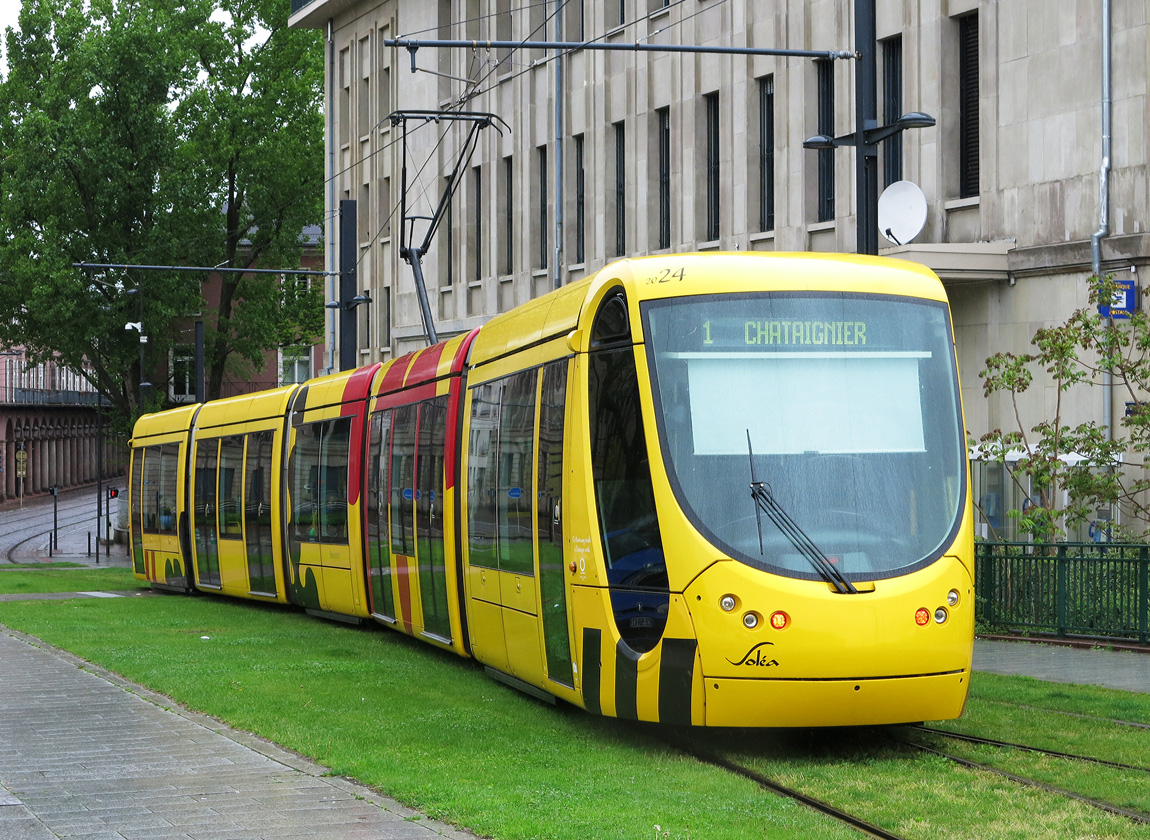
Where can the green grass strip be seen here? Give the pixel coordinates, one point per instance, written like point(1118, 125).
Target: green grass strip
point(424, 727)
point(39, 580)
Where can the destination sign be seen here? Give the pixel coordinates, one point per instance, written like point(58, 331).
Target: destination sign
point(730, 332)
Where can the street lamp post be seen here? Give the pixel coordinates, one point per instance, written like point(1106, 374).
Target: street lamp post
point(139, 327)
point(867, 133)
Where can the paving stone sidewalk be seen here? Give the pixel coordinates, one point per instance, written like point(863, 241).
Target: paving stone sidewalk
point(85, 754)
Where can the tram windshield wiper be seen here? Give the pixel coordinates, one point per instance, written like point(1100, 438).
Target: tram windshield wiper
point(765, 502)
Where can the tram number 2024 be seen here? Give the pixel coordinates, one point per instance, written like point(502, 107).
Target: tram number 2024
point(667, 275)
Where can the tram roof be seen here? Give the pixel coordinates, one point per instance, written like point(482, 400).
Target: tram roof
point(560, 312)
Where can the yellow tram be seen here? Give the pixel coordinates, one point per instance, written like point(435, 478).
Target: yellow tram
point(721, 490)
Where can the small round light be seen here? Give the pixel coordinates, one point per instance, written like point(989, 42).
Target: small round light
point(751, 620)
point(922, 617)
point(727, 603)
point(940, 615)
point(779, 620)
point(952, 597)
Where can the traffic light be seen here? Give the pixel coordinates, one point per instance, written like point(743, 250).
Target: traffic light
point(113, 492)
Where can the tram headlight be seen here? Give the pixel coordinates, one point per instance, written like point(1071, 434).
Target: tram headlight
point(922, 616)
point(751, 620)
point(940, 615)
point(727, 603)
point(952, 597)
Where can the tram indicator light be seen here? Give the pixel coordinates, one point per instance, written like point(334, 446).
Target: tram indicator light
point(922, 617)
point(779, 620)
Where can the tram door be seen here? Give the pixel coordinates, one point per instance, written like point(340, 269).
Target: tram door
point(552, 586)
point(429, 517)
point(207, 554)
point(257, 513)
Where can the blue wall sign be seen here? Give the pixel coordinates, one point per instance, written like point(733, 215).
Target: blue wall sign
point(1124, 303)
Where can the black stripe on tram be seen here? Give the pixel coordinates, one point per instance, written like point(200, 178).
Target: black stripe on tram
point(626, 682)
point(676, 675)
point(591, 676)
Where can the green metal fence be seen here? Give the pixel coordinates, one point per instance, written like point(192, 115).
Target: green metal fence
point(1087, 589)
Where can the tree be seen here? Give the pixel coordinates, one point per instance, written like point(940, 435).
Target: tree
point(129, 138)
point(254, 131)
point(1108, 468)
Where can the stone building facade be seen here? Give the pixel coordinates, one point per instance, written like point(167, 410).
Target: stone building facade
point(670, 152)
point(48, 413)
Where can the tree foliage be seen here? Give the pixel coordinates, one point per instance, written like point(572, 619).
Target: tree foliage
point(1106, 469)
point(156, 133)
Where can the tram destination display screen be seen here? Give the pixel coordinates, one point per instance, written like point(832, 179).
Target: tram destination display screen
point(846, 404)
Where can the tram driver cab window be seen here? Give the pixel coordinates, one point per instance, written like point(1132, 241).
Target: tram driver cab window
point(628, 524)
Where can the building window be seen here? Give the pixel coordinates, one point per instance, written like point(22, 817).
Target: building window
point(449, 233)
point(826, 126)
point(183, 367)
point(663, 141)
point(503, 32)
point(541, 257)
point(580, 205)
point(295, 364)
point(622, 12)
point(508, 216)
point(573, 19)
point(767, 153)
point(620, 189)
point(892, 108)
point(385, 318)
point(477, 194)
point(968, 105)
point(713, 174)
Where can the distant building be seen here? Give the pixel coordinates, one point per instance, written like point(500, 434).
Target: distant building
point(654, 152)
point(47, 413)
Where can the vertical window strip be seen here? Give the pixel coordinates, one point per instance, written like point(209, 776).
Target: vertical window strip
point(580, 217)
point(713, 173)
point(826, 126)
point(767, 153)
point(892, 108)
point(542, 207)
point(508, 216)
point(968, 104)
point(478, 195)
point(664, 177)
point(620, 190)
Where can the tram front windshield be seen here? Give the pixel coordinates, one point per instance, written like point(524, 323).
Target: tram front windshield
point(845, 407)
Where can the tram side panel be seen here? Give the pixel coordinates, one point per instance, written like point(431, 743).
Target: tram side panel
point(234, 507)
point(411, 554)
point(157, 498)
point(323, 500)
point(515, 520)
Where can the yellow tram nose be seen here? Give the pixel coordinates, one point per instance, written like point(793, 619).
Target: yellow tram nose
point(823, 658)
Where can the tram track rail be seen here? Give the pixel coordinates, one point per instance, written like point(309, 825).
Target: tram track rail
point(1139, 817)
point(993, 742)
point(785, 791)
point(21, 526)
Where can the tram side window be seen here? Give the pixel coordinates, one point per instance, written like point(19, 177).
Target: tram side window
point(378, 535)
point(318, 481)
point(403, 481)
point(151, 494)
point(632, 543)
point(516, 473)
point(483, 474)
point(500, 474)
point(169, 478)
point(230, 478)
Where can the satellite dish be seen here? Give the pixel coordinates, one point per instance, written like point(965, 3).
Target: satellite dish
point(901, 212)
